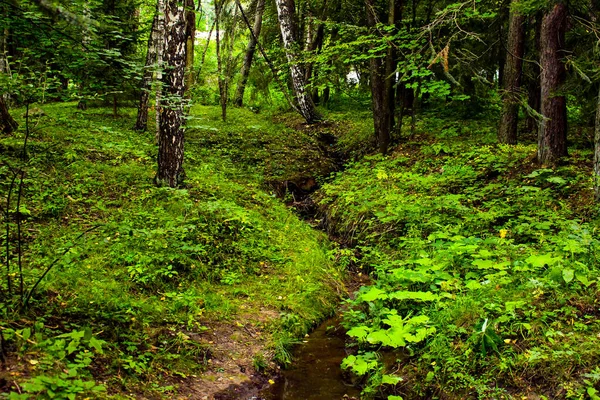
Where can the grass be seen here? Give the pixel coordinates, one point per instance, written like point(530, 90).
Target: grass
point(162, 265)
point(484, 267)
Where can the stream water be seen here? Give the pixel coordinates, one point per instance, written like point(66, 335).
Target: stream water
point(315, 373)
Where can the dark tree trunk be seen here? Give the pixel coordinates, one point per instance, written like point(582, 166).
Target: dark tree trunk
point(597, 154)
point(391, 61)
point(250, 49)
point(316, 43)
point(552, 136)
point(285, 12)
point(507, 131)
point(141, 123)
point(171, 134)
point(7, 123)
point(160, 49)
point(379, 90)
point(534, 91)
point(190, 39)
point(220, 79)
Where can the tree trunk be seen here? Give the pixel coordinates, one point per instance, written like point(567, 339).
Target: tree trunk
point(160, 49)
point(190, 39)
point(285, 12)
point(7, 123)
point(552, 136)
point(315, 44)
point(245, 72)
point(220, 78)
point(534, 91)
point(170, 144)
point(379, 91)
point(507, 131)
point(141, 123)
point(597, 154)
point(391, 61)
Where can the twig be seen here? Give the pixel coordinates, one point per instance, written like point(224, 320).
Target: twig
point(26, 302)
point(19, 245)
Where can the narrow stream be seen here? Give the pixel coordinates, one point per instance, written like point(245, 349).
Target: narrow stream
point(315, 373)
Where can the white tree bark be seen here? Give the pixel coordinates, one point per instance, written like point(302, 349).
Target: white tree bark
point(172, 112)
point(285, 12)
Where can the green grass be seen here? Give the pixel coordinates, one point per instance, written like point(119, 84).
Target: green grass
point(162, 263)
point(485, 267)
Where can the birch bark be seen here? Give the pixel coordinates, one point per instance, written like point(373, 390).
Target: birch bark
point(172, 113)
point(285, 13)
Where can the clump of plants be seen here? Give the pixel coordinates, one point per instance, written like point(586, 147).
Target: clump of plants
point(484, 272)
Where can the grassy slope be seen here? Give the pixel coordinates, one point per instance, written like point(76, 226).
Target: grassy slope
point(485, 267)
point(164, 266)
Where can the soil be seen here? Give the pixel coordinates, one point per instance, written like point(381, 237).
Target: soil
point(233, 346)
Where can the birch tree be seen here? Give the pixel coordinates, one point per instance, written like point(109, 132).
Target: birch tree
point(172, 113)
point(306, 106)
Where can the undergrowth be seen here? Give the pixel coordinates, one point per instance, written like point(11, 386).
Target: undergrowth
point(122, 308)
point(485, 268)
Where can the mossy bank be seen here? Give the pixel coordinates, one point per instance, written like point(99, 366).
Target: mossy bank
point(171, 292)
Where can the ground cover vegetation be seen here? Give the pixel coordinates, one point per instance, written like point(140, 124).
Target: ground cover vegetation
point(166, 166)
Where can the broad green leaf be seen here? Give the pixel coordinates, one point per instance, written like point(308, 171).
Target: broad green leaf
point(540, 260)
point(473, 285)
point(568, 275)
point(359, 332)
point(583, 279)
point(407, 295)
point(372, 294)
point(390, 379)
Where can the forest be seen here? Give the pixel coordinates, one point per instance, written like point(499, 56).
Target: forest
point(299, 199)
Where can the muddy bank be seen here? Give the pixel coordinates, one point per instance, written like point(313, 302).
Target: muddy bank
point(314, 375)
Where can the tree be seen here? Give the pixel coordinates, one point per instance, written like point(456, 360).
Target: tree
point(249, 56)
point(156, 34)
point(597, 153)
point(380, 92)
point(287, 25)
point(172, 114)
point(507, 131)
point(552, 135)
point(7, 123)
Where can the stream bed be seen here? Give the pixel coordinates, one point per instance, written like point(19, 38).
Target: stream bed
point(315, 373)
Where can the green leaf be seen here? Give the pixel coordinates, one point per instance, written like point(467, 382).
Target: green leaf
point(372, 294)
point(97, 344)
point(541, 260)
point(395, 398)
point(407, 295)
point(583, 279)
point(26, 333)
point(568, 275)
point(359, 332)
point(390, 379)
